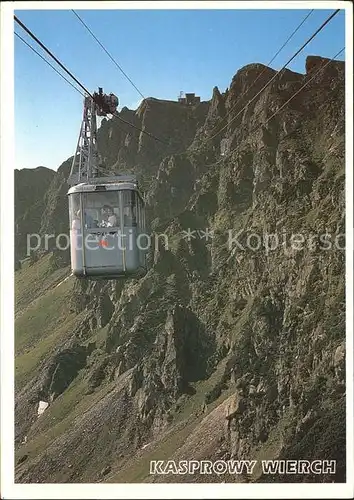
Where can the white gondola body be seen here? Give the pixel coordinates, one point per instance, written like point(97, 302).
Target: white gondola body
point(107, 230)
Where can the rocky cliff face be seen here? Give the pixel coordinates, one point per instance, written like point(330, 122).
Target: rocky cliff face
point(232, 345)
point(30, 188)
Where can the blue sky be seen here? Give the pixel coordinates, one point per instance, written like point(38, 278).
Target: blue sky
point(162, 51)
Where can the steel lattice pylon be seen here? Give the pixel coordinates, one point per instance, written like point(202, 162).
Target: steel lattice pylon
point(86, 158)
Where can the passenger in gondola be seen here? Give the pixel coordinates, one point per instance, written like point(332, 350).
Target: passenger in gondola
point(89, 222)
point(76, 238)
point(76, 223)
point(109, 219)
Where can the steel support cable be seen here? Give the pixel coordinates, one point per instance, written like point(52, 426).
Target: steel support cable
point(278, 72)
point(140, 130)
point(264, 69)
point(51, 65)
point(51, 54)
point(151, 135)
point(106, 172)
point(109, 55)
point(77, 81)
point(323, 66)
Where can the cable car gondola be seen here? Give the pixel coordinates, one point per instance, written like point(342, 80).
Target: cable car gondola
point(107, 227)
point(107, 216)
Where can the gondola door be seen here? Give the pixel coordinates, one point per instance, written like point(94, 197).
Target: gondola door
point(102, 250)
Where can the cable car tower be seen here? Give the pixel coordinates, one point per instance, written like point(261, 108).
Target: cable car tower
point(107, 215)
point(86, 162)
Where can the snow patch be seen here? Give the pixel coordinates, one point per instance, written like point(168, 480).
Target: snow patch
point(42, 406)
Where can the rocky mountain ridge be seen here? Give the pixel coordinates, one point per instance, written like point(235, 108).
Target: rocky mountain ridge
point(232, 346)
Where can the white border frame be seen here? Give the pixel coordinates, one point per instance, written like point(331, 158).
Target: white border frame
point(9, 489)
